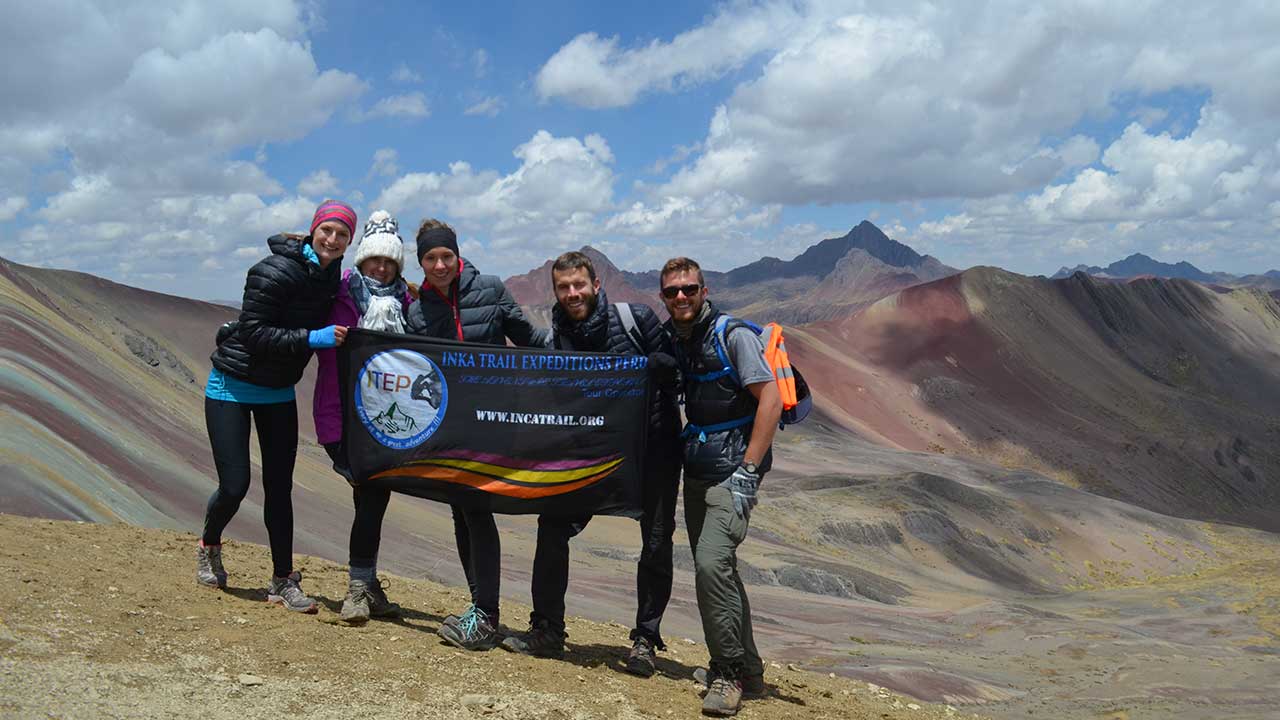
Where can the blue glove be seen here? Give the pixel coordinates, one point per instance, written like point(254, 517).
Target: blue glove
point(743, 486)
point(322, 338)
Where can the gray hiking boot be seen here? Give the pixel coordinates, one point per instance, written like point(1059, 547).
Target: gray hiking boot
point(379, 605)
point(724, 696)
point(472, 631)
point(209, 571)
point(355, 606)
point(641, 660)
point(753, 687)
point(287, 592)
point(542, 641)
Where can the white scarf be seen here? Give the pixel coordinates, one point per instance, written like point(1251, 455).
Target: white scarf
point(384, 313)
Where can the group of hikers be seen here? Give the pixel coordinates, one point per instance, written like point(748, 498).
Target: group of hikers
point(298, 302)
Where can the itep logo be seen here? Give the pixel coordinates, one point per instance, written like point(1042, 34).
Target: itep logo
point(400, 398)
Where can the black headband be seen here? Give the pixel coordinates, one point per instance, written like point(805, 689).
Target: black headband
point(435, 237)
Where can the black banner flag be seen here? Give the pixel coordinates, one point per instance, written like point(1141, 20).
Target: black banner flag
point(488, 427)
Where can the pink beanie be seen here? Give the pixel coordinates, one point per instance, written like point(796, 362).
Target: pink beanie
point(334, 210)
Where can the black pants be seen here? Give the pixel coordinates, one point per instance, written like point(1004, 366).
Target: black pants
point(366, 527)
point(480, 551)
point(653, 572)
point(371, 508)
point(228, 426)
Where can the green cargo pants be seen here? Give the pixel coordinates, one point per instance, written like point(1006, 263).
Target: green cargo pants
point(715, 532)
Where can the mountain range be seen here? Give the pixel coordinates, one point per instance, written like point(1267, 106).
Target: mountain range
point(992, 458)
point(1139, 265)
point(834, 277)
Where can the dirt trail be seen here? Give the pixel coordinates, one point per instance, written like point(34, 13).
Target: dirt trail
point(106, 621)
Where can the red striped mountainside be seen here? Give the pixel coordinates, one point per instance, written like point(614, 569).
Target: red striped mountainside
point(1161, 393)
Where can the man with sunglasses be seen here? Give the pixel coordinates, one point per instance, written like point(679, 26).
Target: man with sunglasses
point(583, 319)
point(733, 407)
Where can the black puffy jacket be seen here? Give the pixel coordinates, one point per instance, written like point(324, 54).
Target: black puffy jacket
point(602, 331)
point(285, 297)
point(481, 304)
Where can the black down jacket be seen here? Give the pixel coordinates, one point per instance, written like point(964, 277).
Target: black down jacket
point(285, 297)
point(487, 312)
point(602, 331)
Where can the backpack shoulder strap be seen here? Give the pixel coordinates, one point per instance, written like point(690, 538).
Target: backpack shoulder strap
point(628, 320)
point(720, 338)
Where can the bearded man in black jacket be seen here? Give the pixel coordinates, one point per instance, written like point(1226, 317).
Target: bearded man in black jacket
point(584, 320)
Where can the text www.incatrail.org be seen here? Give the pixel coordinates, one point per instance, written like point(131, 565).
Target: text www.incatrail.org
point(522, 418)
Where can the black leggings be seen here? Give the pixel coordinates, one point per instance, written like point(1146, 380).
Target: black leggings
point(228, 426)
point(480, 551)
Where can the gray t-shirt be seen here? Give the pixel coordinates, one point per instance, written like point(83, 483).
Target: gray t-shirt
point(746, 354)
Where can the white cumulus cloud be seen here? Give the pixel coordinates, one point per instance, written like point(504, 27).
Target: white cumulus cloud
point(320, 182)
point(408, 105)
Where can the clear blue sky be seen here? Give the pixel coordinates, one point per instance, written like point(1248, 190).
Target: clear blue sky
point(160, 147)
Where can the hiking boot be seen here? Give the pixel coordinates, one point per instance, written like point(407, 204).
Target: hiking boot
point(753, 687)
point(209, 571)
point(355, 606)
point(472, 631)
point(379, 605)
point(724, 696)
point(286, 591)
point(640, 661)
point(542, 641)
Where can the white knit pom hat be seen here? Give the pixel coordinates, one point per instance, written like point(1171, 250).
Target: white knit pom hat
point(381, 239)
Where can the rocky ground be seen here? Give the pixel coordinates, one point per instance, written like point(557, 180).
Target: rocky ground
point(106, 621)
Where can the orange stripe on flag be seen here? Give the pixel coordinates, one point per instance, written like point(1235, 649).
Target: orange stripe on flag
point(489, 484)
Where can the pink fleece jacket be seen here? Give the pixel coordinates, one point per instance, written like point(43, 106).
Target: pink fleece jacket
point(326, 406)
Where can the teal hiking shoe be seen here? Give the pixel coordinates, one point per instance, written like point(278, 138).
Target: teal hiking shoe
point(472, 631)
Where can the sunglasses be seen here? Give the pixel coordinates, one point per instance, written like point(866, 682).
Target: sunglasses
point(672, 291)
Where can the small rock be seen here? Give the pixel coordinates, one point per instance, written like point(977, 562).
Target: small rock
point(483, 704)
point(112, 588)
point(241, 621)
point(775, 666)
point(687, 641)
point(792, 667)
point(912, 706)
point(873, 687)
point(250, 680)
point(831, 675)
point(191, 617)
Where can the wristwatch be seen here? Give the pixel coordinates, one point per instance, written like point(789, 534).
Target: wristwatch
point(749, 467)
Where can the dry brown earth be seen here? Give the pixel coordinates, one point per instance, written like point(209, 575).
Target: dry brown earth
point(105, 621)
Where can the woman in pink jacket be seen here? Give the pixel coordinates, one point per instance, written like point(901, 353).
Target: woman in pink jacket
point(373, 295)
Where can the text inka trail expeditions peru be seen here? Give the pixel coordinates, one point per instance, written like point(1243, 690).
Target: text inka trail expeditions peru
point(551, 363)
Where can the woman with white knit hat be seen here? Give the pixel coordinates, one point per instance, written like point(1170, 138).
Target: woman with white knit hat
point(373, 295)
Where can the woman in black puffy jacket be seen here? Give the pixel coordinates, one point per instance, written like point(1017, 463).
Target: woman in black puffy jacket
point(260, 357)
point(458, 303)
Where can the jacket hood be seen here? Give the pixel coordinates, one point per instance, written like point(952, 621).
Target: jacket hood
point(467, 275)
point(290, 245)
